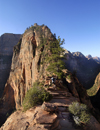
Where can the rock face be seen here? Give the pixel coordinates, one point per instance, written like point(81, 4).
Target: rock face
point(33, 119)
point(7, 42)
point(25, 67)
point(76, 89)
point(85, 69)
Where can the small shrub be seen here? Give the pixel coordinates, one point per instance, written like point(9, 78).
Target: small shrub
point(79, 112)
point(74, 108)
point(84, 118)
point(36, 95)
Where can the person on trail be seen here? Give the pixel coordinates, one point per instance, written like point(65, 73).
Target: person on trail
point(53, 82)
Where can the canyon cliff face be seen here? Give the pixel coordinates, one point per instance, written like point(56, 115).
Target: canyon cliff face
point(85, 69)
point(25, 67)
point(7, 42)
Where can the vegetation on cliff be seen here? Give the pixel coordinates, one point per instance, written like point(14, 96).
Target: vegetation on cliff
point(52, 52)
point(80, 113)
point(94, 89)
point(56, 65)
point(53, 56)
point(36, 95)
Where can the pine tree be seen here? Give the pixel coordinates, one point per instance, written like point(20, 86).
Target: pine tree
point(55, 57)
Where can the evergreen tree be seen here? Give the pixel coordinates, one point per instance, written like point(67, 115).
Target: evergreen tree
point(54, 58)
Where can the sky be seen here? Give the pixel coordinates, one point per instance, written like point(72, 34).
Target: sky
point(77, 21)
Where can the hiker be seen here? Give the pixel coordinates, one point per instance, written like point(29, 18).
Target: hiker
point(53, 82)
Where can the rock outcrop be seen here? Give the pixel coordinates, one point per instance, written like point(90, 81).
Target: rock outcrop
point(7, 42)
point(25, 67)
point(86, 69)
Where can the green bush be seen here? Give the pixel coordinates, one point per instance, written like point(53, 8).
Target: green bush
point(34, 96)
point(79, 112)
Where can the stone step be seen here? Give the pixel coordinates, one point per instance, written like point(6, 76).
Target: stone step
point(62, 109)
point(59, 97)
point(63, 102)
point(57, 93)
point(56, 90)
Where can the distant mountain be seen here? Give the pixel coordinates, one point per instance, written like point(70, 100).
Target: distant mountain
point(7, 42)
point(97, 59)
point(85, 68)
point(88, 56)
point(78, 54)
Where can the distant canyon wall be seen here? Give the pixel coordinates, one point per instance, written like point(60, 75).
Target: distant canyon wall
point(86, 69)
point(7, 42)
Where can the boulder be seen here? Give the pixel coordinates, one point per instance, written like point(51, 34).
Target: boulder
point(49, 107)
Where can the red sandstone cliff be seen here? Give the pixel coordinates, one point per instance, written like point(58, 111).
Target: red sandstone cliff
point(26, 67)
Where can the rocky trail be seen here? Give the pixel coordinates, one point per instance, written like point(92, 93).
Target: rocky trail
point(61, 100)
